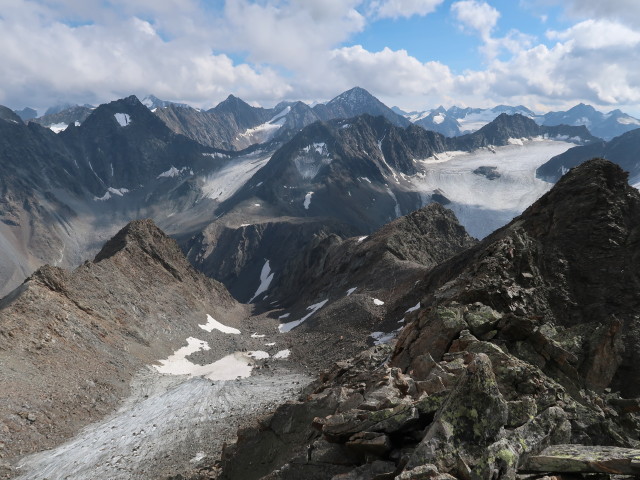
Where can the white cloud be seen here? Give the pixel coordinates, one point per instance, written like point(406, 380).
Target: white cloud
point(624, 11)
point(45, 61)
point(597, 34)
point(479, 17)
point(403, 8)
point(389, 73)
point(288, 33)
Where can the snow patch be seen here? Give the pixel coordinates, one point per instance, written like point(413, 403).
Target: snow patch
point(361, 239)
point(282, 354)
point(216, 155)
point(396, 208)
point(213, 324)
point(222, 184)
point(320, 148)
point(378, 302)
point(123, 119)
point(58, 127)
point(111, 191)
point(266, 275)
point(172, 172)
point(227, 368)
point(438, 119)
point(255, 335)
point(286, 315)
point(287, 327)
point(414, 308)
point(307, 200)
point(351, 290)
point(381, 337)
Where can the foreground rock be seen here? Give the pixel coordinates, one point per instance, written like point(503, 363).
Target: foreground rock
point(579, 458)
point(523, 342)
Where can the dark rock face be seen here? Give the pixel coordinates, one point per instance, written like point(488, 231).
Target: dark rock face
point(236, 256)
point(358, 101)
point(26, 113)
point(409, 244)
point(66, 116)
point(71, 341)
point(621, 150)
point(518, 346)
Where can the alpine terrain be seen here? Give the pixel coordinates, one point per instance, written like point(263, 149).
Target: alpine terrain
point(339, 291)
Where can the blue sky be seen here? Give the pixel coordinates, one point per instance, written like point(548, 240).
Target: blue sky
point(417, 54)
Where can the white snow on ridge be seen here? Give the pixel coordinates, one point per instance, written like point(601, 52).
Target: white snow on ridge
point(414, 308)
point(213, 324)
point(287, 327)
point(123, 119)
point(266, 275)
point(307, 200)
point(438, 119)
point(172, 172)
point(110, 192)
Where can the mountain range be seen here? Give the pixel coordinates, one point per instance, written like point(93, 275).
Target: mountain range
point(462, 303)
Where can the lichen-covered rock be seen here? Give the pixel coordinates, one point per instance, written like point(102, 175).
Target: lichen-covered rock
point(471, 418)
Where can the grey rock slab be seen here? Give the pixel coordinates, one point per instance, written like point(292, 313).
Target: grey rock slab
point(585, 459)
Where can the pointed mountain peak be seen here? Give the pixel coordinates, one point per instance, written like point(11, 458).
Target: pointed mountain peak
point(143, 237)
point(354, 95)
point(582, 108)
point(9, 115)
point(593, 194)
point(232, 102)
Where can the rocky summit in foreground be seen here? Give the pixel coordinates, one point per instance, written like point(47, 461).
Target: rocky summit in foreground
point(526, 341)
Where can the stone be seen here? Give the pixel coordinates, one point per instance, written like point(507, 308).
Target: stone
point(373, 443)
point(585, 459)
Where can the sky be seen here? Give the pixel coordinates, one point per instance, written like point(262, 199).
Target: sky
point(415, 54)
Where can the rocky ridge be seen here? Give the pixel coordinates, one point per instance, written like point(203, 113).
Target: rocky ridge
point(525, 341)
point(70, 342)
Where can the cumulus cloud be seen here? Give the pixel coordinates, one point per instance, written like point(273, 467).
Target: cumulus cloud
point(45, 60)
point(623, 11)
point(91, 51)
point(479, 17)
point(290, 34)
point(389, 73)
point(403, 8)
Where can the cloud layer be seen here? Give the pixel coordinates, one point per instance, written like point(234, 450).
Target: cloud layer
point(90, 51)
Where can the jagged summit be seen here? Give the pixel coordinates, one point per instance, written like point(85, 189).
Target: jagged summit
point(358, 101)
point(143, 234)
